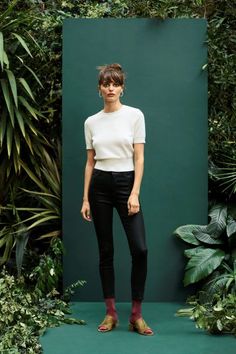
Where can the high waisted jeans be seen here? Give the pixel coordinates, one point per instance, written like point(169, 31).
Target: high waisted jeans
point(108, 190)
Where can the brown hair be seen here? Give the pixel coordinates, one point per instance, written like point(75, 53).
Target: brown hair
point(111, 72)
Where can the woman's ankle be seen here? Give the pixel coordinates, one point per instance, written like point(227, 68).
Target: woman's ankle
point(136, 311)
point(110, 307)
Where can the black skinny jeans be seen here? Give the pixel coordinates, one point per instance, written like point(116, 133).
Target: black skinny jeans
point(107, 190)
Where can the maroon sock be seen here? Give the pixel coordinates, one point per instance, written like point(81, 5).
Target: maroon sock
point(136, 310)
point(110, 307)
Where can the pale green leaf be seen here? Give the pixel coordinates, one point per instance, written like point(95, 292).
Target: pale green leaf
point(28, 107)
point(41, 221)
point(23, 43)
point(12, 81)
point(50, 234)
point(3, 126)
point(20, 121)
point(26, 87)
point(29, 143)
point(35, 76)
point(9, 139)
point(40, 193)
point(33, 177)
point(8, 100)
point(1, 50)
point(5, 59)
point(17, 142)
point(32, 127)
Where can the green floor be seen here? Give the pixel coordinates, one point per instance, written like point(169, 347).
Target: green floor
point(173, 335)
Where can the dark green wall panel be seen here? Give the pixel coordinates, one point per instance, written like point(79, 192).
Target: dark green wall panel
point(163, 61)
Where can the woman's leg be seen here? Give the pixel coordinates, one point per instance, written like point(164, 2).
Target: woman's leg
point(102, 216)
point(135, 232)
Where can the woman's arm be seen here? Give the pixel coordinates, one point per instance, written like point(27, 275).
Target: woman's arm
point(133, 201)
point(85, 210)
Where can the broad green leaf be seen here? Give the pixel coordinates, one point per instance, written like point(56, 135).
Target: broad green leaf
point(192, 251)
point(12, 81)
point(9, 138)
point(3, 126)
point(23, 43)
point(231, 226)
point(28, 107)
point(185, 232)
point(8, 100)
point(20, 121)
point(26, 87)
point(1, 50)
point(202, 264)
point(206, 238)
point(217, 225)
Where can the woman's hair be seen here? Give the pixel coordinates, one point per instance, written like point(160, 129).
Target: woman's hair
point(111, 72)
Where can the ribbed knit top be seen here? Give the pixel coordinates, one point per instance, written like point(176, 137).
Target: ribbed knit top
point(112, 135)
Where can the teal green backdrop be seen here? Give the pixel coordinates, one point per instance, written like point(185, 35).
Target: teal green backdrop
point(163, 60)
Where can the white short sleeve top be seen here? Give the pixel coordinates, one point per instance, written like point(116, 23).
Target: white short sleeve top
point(112, 136)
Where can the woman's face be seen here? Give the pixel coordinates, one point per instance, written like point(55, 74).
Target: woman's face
point(110, 91)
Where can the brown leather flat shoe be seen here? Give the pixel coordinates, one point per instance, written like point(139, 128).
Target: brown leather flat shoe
point(107, 324)
point(141, 327)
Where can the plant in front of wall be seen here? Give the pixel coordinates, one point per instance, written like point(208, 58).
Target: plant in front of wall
point(216, 315)
point(212, 244)
point(212, 260)
point(25, 315)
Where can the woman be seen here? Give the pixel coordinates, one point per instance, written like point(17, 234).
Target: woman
point(115, 138)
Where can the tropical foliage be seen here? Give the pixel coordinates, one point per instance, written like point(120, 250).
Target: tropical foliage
point(212, 260)
point(30, 158)
point(213, 244)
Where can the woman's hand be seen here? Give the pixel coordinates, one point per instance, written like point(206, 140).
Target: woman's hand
point(85, 211)
point(133, 204)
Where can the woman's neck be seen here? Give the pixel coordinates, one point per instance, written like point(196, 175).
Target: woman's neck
point(112, 107)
